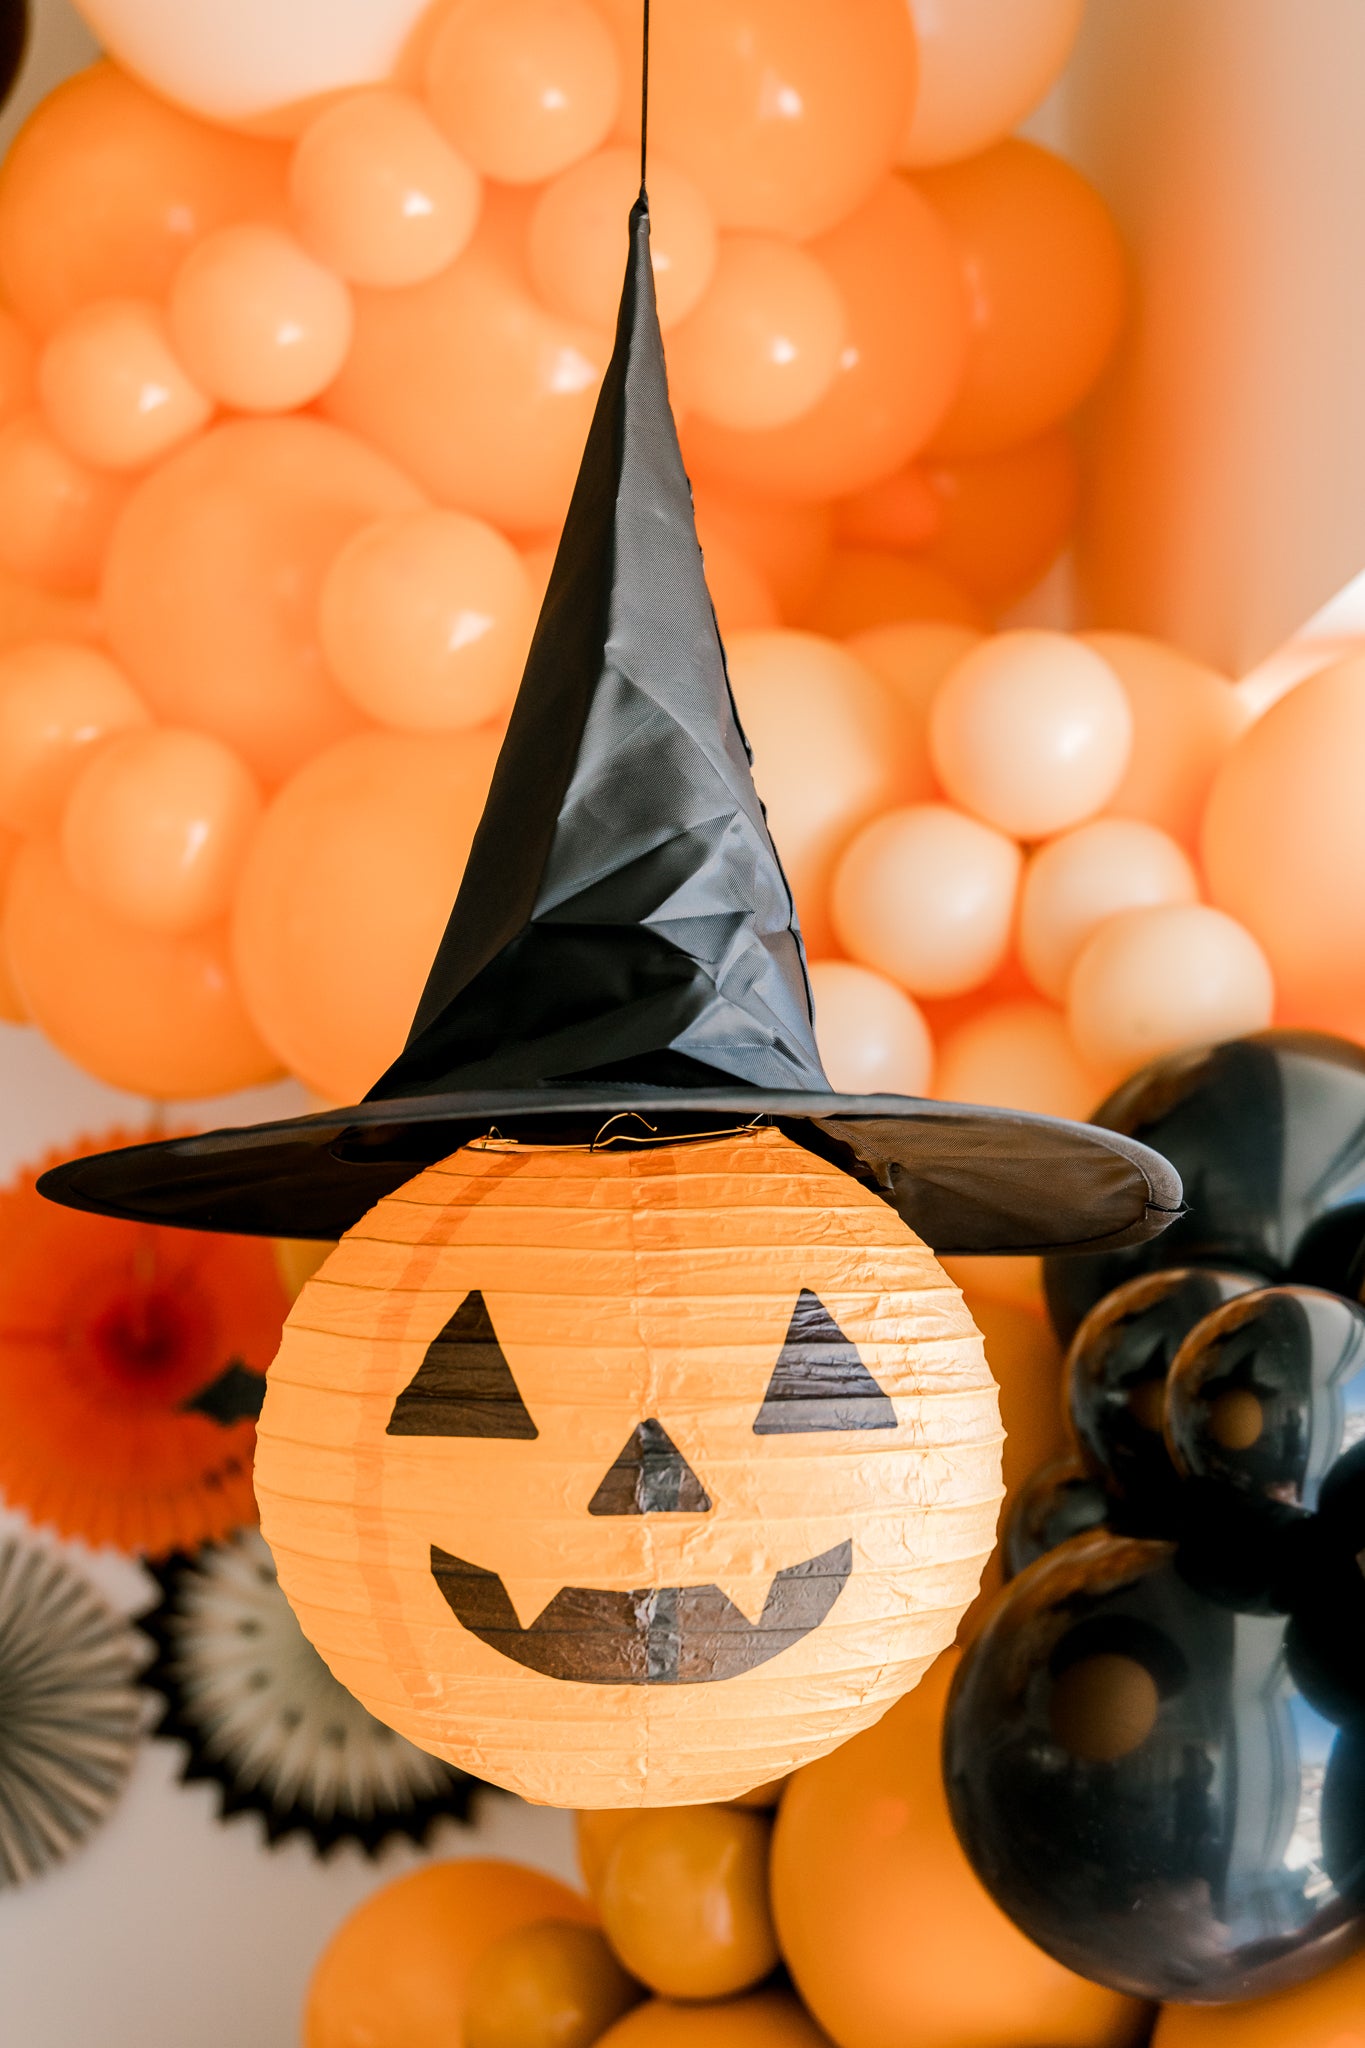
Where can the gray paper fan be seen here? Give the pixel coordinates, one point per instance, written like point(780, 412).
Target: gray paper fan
point(69, 1709)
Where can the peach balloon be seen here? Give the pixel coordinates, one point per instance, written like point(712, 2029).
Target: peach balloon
point(1326, 2012)
point(926, 895)
point(1154, 981)
point(472, 385)
point(901, 364)
point(57, 700)
point(1074, 883)
point(575, 245)
point(789, 544)
point(742, 596)
point(1031, 731)
point(1007, 1279)
point(1186, 718)
point(865, 588)
point(1283, 844)
point(425, 620)
point(28, 613)
point(763, 2019)
point(1018, 1055)
point(1048, 291)
point(211, 588)
point(1026, 1363)
point(900, 512)
point(523, 88)
point(18, 368)
point(827, 743)
point(914, 656)
point(114, 390)
point(763, 344)
point(785, 115)
point(1004, 518)
point(378, 194)
point(257, 321)
point(345, 895)
point(155, 1015)
point(157, 826)
point(684, 1900)
point(56, 513)
point(105, 188)
point(982, 65)
point(872, 1037)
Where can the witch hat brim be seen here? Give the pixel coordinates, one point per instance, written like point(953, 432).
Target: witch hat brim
point(624, 938)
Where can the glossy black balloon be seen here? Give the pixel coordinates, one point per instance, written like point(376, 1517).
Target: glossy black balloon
point(1061, 1499)
point(1115, 1373)
point(1142, 1785)
point(1268, 1136)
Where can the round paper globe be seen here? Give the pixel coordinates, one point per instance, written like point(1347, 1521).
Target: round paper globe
point(883, 1924)
point(573, 240)
point(926, 895)
point(1018, 1055)
point(983, 64)
point(1030, 731)
point(1283, 845)
point(113, 389)
point(1327, 2012)
point(1186, 719)
point(398, 1968)
point(684, 1901)
point(766, 2019)
point(628, 1559)
point(378, 194)
point(345, 894)
point(1152, 981)
point(873, 1039)
point(58, 700)
point(1075, 882)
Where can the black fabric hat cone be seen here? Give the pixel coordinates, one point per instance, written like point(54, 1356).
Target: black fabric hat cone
point(624, 937)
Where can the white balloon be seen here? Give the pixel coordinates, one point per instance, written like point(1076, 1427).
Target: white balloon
point(235, 60)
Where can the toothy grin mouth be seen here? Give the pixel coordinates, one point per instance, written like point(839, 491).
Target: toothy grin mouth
point(664, 1635)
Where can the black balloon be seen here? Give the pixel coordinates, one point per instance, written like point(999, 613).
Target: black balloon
point(1059, 1500)
point(1143, 1785)
point(13, 42)
point(1268, 1135)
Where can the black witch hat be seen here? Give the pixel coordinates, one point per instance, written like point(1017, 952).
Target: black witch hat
point(624, 938)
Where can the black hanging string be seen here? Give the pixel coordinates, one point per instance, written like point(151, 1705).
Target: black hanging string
point(644, 97)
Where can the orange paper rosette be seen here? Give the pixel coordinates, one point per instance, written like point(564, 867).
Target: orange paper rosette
point(107, 1331)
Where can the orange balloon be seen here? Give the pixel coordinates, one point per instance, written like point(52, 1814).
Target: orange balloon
point(211, 587)
point(155, 1015)
point(898, 514)
point(1078, 880)
point(1155, 981)
point(865, 588)
point(523, 88)
point(1326, 2012)
point(257, 321)
point(767, 2019)
point(741, 594)
point(926, 896)
point(576, 240)
point(788, 544)
point(18, 368)
point(554, 1984)
point(56, 514)
point(914, 657)
point(378, 194)
point(785, 115)
point(983, 65)
point(397, 1971)
point(27, 613)
point(883, 1923)
point(1010, 1279)
point(114, 390)
point(1003, 519)
point(595, 1835)
point(1186, 718)
point(13, 1008)
point(684, 1901)
point(1048, 291)
point(425, 620)
point(106, 187)
point(901, 363)
point(1026, 1362)
point(345, 895)
point(827, 738)
point(472, 385)
point(57, 701)
point(873, 1039)
point(764, 342)
point(157, 826)
point(1018, 1055)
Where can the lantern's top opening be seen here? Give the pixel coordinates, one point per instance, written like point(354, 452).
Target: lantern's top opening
point(624, 937)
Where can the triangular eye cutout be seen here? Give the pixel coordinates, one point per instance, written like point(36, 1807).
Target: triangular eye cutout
point(464, 1385)
point(819, 1381)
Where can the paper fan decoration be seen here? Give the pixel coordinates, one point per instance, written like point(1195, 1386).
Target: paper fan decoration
point(261, 1714)
point(69, 1709)
point(131, 1370)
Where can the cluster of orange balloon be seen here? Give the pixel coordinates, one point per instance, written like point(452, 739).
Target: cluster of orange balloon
point(288, 421)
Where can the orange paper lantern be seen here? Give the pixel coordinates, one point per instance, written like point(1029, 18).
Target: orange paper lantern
point(637, 1478)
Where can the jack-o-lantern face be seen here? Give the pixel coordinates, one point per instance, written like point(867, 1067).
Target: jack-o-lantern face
point(630, 1478)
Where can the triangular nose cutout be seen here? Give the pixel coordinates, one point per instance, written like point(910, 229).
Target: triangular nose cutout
point(651, 1477)
point(819, 1381)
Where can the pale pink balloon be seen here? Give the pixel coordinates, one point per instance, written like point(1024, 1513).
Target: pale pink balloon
point(926, 895)
point(1031, 731)
point(982, 65)
point(114, 391)
point(872, 1037)
point(1186, 719)
point(257, 321)
point(1154, 981)
point(1017, 1055)
point(1074, 883)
